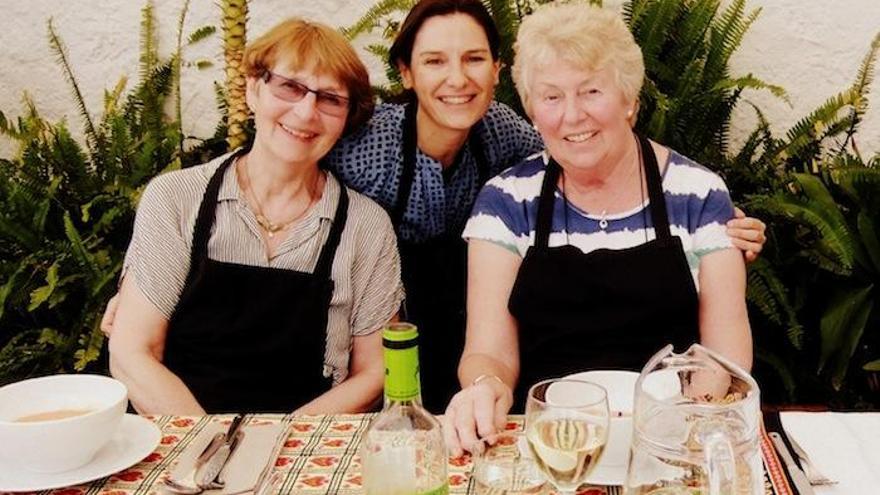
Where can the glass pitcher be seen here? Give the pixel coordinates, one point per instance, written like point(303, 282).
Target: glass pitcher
point(696, 427)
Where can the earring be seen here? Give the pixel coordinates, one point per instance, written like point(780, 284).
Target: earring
point(629, 114)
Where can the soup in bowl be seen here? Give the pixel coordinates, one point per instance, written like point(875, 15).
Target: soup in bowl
point(58, 423)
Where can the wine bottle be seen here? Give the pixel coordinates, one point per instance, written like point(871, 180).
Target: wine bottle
point(403, 451)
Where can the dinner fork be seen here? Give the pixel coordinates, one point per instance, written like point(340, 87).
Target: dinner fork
point(814, 476)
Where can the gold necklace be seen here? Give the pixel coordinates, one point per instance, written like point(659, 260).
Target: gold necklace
point(269, 226)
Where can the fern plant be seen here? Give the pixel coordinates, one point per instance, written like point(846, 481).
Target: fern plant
point(66, 210)
point(687, 44)
point(823, 199)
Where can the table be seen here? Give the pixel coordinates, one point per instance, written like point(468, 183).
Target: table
point(318, 457)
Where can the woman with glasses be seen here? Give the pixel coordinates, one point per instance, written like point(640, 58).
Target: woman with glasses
point(256, 282)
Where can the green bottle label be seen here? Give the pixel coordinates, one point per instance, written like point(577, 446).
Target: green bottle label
point(401, 362)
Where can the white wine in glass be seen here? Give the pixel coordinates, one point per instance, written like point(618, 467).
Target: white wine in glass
point(567, 429)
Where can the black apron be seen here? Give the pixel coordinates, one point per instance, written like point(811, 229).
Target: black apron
point(434, 273)
point(604, 309)
point(250, 338)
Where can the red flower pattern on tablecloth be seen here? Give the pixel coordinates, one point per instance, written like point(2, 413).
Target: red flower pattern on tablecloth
point(507, 440)
point(313, 471)
point(324, 461)
point(457, 479)
point(129, 476)
point(314, 481)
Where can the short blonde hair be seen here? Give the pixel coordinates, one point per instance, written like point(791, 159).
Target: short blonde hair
point(300, 44)
point(585, 36)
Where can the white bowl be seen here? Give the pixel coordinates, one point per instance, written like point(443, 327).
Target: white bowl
point(58, 445)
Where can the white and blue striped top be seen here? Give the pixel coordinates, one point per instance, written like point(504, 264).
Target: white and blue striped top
point(697, 202)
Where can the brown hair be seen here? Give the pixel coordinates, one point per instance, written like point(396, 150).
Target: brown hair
point(299, 43)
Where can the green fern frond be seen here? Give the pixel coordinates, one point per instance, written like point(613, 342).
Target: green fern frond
point(78, 248)
point(830, 247)
point(768, 293)
point(864, 78)
point(60, 52)
point(372, 18)
point(149, 52)
point(725, 37)
point(804, 137)
point(200, 34)
point(751, 82)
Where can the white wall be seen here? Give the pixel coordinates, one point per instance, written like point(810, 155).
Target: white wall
point(810, 47)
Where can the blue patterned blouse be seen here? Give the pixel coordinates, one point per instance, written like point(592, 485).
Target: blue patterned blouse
point(371, 162)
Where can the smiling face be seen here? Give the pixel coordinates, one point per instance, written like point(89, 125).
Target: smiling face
point(452, 73)
point(295, 132)
point(582, 115)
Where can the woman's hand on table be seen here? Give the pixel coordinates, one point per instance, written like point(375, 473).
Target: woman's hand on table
point(474, 413)
point(747, 234)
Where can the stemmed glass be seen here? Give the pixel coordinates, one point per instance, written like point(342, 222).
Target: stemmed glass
point(567, 429)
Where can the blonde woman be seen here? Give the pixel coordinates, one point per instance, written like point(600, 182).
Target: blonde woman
point(598, 251)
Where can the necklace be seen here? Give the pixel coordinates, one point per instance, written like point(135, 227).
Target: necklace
point(603, 217)
point(269, 226)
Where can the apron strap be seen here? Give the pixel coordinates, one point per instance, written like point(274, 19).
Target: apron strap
point(545, 204)
point(205, 218)
point(328, 252)
point(409, 163)
point(410, 153)
point(655, 189)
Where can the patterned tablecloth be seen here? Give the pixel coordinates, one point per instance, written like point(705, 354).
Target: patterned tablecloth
point(318, 457)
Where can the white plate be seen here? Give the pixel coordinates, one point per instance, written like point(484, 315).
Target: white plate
point(135, 439)
point(621, 386)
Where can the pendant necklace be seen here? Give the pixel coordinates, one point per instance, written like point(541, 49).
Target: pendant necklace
point(603, 217)
point(269, 226)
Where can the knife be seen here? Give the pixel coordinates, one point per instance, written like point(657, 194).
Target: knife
point(207, 473)
point(798, 478)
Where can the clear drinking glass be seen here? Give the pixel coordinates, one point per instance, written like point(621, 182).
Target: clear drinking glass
point(567, 429)
point(506, 467)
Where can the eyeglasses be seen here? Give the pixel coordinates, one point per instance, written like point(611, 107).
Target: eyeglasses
point(293, 91)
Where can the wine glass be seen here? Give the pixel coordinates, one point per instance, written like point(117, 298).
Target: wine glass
point(567, 429)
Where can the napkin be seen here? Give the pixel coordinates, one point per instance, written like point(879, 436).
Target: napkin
point(244, 470)
point(843, 446)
